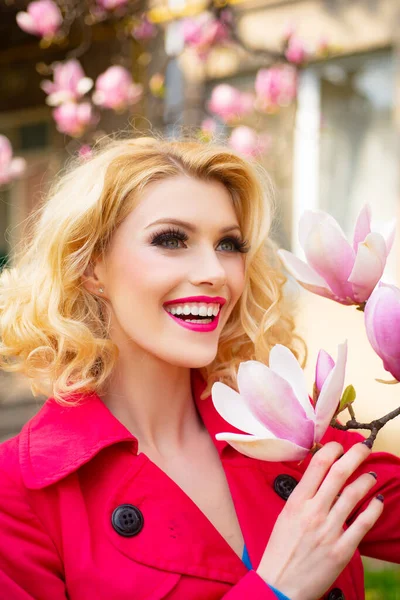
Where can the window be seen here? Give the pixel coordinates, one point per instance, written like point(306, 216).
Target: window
point(346, 148)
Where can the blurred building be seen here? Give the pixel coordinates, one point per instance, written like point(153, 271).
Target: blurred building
point(336, 149)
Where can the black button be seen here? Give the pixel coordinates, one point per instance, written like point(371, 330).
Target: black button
point(127, 520)
point(284, 485)
point(335, 594)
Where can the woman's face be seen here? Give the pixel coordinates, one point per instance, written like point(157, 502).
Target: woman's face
point(181, 242)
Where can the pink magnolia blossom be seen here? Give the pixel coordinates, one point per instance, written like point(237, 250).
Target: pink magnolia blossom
point(382, 323)
point(69, 83)
point(274, 409)
point(42, 18)
point(115, 89)
point(10, 167)
point(336, 269)
point(112, 4)
point(296, 51)
point(145, 30)
point(248, 142)
point(324, 366)
point(73, 119)
point(229, 103)
point(203, 32)
point(276, 87)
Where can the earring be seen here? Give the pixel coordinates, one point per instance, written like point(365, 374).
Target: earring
point(101, 290)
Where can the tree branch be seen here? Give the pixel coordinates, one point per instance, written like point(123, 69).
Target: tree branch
point(373, 426)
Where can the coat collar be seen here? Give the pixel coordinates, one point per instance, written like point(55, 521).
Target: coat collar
point(60, 439)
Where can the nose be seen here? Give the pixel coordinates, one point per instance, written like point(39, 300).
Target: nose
point(208, 269)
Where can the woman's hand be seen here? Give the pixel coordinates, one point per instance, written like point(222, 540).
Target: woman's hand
point(308, 547)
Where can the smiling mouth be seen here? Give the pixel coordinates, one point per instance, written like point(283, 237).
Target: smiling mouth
point(195, 312)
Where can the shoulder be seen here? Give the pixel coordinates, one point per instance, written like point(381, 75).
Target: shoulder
point(9, 462)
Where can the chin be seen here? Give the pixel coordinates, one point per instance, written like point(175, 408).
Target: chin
point(194, 360)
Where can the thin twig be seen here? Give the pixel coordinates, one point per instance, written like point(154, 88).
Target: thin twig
point(374, 426)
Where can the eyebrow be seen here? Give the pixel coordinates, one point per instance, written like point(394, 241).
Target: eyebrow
point(189, 226)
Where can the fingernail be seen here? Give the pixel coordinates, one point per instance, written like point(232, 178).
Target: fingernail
point(373, 474)
point(368, 443)
point(380, 497)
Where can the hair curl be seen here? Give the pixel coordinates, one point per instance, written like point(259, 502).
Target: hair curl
point(55, 331)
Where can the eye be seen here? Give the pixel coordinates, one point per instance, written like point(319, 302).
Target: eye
point(169, 238)
point(236, 244)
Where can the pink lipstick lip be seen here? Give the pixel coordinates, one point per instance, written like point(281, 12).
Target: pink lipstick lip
point(200, 327)
point(206, 299)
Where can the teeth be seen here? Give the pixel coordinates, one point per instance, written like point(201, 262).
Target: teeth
point(195, 309)
point(202, 321)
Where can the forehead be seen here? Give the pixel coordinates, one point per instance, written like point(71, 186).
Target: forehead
point(185, 198)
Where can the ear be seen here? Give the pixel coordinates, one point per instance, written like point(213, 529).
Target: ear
point(91, 278)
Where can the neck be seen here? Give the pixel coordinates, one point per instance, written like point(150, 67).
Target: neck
point(154, 401)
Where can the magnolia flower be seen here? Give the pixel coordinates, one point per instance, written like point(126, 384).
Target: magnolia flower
point(115, 89)
point(69, 83)
point(247, 141)
point(73, 119)
point(229, 103)
point(203, 32)
point(10, 167)
point(382, 323)
point(276, 87)
point(273, 407)
point(42, 18)
point(296, 52)
point(335, 269)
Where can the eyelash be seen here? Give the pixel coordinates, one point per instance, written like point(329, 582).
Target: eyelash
point(240, 245)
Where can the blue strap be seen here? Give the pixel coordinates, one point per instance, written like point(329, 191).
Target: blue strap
point(278, 594)
point(247, 562)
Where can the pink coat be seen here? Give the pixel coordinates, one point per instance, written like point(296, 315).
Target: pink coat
point(64, 476)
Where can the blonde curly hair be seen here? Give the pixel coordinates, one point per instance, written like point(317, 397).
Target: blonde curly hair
point(55, 331)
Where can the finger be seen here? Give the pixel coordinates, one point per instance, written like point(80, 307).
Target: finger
point(338, 475)
point(351, 538)
point(348, 499)
point(316, 471)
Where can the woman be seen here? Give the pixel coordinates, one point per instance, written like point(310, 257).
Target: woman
point(148, 277)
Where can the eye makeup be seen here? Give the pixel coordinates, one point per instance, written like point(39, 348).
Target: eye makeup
point(159, 238)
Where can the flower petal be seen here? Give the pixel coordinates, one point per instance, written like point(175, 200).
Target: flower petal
point(233, 408)
point(273, 450)
point(305, 275)
point(382, 323)
point(308, 220)
point(273, 402)
point(369, 266)
point(324, 366)
point(26, 23)
point(84, 85)
point(363, 226)
point(283, 362)
point(331, 393)
point(329, 253)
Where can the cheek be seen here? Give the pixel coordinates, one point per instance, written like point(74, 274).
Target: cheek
point(143, 272)
point(237, 275)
